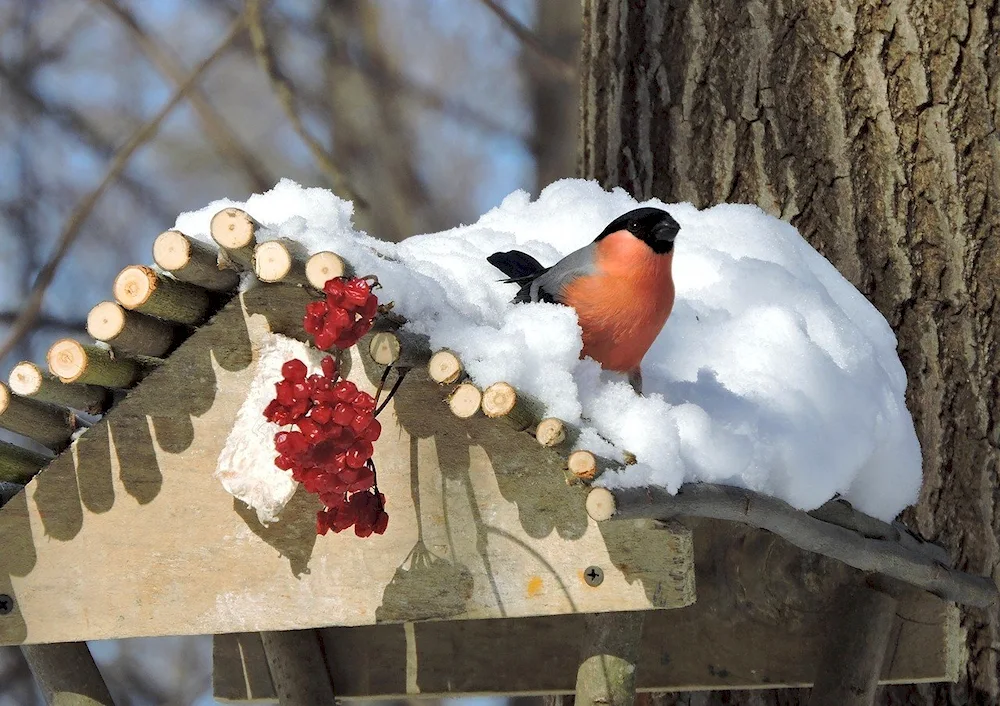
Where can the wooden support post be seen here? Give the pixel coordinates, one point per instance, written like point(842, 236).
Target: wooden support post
point(280, 260)
point(851, 663)
point(445, 368)
point(67, 674)
point(465, 400)
point(72, 361)
point(192, 261)
point(129, 331)
point(29, 380)
point(236, 233)
point(298, 670)
point(607, 673)
point(500, 400)
point(18, 464)
point(47, 424)
point(141, 289)
point(324, 266)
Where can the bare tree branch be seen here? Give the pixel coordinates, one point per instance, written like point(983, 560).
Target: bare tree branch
point(140, 137)
point(76, 125)
point(45, 321)
point(554, 63)
point(227, 143)
point(885, 553)
point(285, 94)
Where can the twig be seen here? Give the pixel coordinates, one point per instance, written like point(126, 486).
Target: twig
point(46, 321)
point(83, 209)
point(219, 132)
point(554, 63)
point(286, 97)
point(887, 557)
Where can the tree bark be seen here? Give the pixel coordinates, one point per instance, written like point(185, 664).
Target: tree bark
point(872, 128)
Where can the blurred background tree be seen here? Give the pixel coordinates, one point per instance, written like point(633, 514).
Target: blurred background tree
point(116, 115)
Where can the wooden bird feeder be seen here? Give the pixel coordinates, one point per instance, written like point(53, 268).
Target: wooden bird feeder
point(501, 570)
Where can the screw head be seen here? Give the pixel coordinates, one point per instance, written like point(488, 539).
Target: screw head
point(6, 604)
point(593, 575)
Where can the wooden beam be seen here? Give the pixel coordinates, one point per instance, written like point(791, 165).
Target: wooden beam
point(481, 522)
point(67, 674)
point(298, 669)
point(848, 671)
point(610, 656)
point(762, 618)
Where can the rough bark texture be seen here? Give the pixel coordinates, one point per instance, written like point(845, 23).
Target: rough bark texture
point(872, 128)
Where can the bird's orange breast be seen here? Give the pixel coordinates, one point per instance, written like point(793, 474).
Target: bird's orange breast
point(624, 306)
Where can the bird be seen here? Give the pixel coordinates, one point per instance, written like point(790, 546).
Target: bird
point(621, 286)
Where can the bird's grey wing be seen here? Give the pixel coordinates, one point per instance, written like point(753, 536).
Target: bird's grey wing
point(550, 285)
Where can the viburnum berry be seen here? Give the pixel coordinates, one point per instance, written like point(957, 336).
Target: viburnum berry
point(330, 449)
point(345, 314)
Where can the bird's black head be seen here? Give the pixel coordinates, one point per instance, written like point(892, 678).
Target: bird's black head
point(653, 226)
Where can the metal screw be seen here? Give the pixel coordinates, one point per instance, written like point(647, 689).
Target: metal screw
point(594, 575)
point(6, 604)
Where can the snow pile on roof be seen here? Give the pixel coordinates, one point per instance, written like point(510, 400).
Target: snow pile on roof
point(773, 373)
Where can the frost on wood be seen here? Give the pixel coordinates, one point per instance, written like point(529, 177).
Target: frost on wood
point(246, 465)
point(773, 373)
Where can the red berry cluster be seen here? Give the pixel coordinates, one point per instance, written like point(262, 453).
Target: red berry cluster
point(330, 452)
point(344, 316)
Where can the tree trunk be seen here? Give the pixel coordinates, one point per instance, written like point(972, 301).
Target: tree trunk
point(872, 128)
point(554, 100)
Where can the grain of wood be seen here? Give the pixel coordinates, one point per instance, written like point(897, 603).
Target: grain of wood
point(445, 368)
point(324, 266)
point(280, 261)
point(129, 331)
point(140, 288)
point(47, 424)
point(190, 260)
point(465, 400)
point(29, 380)
point(72, 361)
point(235, 231)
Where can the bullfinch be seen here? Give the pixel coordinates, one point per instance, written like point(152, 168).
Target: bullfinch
point(620, 285)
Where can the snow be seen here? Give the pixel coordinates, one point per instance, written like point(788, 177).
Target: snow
point(246, 465)
point(773, 372)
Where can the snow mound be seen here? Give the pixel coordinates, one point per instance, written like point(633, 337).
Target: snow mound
point(773, 372)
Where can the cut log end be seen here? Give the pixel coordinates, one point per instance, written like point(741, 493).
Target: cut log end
point(465, 400)
point(385, 348)
point(140, 288)
point(172, 250)
point(134, 286)
point(324, 266)
point(600, 504)
point(272, 262)
point(583, 465)
point(550, 432)
point(233, 228)
point(67, 359)
point(105, 321)
point(499, 399)
point(444, 367)
point(26, 379)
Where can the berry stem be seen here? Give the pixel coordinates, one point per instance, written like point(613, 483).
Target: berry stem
point(395, 388)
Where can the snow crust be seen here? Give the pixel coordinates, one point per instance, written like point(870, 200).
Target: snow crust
point(773, 372)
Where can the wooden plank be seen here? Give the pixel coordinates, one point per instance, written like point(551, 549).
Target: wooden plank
point(763, 613)
point(129, 534)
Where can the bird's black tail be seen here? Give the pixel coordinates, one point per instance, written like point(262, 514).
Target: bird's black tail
point(520, 268)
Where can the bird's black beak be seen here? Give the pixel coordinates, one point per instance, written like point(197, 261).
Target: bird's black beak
point(666, 230)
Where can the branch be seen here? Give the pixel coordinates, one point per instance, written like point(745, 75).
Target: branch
point(83, 209)
point(285, 94)
point(553, 63)
point(45, 321)
point(889, 557)
point(227, 143)
point(73, 123)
